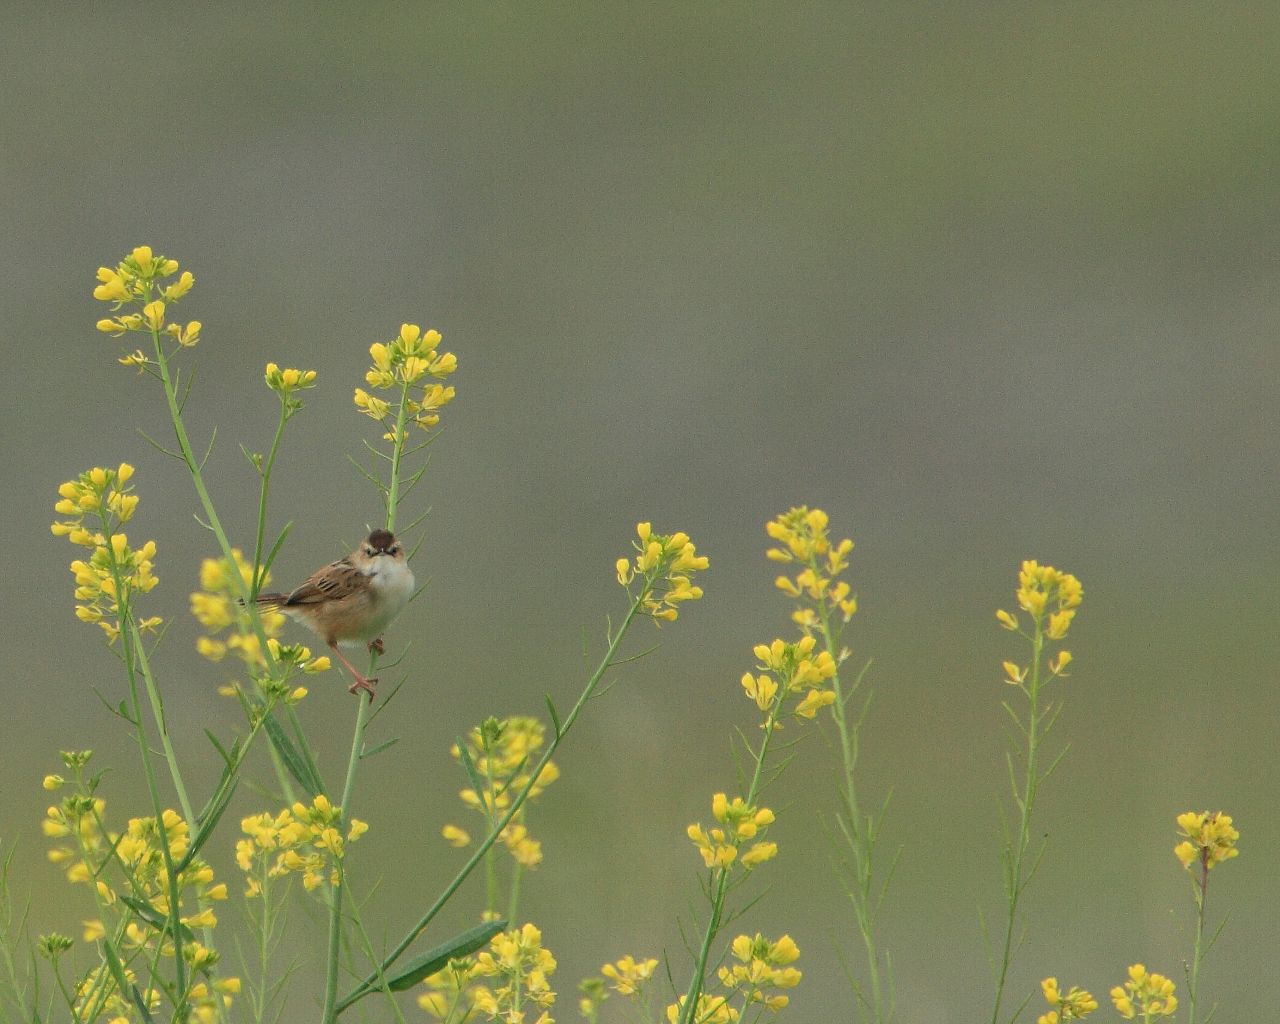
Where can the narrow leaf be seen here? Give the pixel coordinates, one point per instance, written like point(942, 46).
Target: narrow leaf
point(436, 959)
point(296, 766)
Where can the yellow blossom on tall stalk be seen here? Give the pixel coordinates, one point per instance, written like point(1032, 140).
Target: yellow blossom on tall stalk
point(1073, 1005)
point(1048, 598)
point(405, 363)
point(824, 606)
point(303, 838)
point(136, 282)
point(517, 958)
point(134, 875)
point(664, 567)
point(94, 506)
point(1149, 995)
point(450, 991)
point(502, 751)
point(740, 823)
point(1209, 840)
point(761, 966)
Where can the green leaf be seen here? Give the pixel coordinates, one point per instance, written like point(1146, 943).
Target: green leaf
point(551, 709)
point(380, 747)
point(437, 959)
point(208, 819)
point(293, 761)
point(275, 550)
point(464, 755)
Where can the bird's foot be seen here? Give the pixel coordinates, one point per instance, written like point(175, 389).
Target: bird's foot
point(363, 684)
point(376, 646)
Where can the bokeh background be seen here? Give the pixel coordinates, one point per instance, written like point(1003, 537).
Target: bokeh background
point(986, 282)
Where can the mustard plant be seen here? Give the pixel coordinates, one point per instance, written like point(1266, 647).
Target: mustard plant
point(1048, 600)
point(825, 604)
point(1208, 839)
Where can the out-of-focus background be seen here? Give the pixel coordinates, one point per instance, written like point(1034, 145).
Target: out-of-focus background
point(986, 282)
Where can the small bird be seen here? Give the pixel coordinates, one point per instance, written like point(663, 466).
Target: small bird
point(351, 601)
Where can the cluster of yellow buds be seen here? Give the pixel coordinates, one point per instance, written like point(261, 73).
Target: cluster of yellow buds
point(140, 852)
point(1041, 589)
point(1210, 839)
point(628, 976)
point(303, 838)
point(1051, 598)
point(665, 565)
point(286, 383)
point(407, 361)
point(518, 957)
point(762, 965)
point(503, 753)
point(135, 281)
point(1073, 1005)
point(114, 571)
point(803, 540)
point(742, 823)
point(791, 670)
point(710, 1010)
point(1148, 994)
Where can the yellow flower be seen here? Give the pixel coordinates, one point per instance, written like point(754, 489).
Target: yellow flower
point(629, 975)
point(285, 382)
point(1148, 994)
point(1210, 839)
point(665, 566)
point(455, 836)
point(1075, 1005)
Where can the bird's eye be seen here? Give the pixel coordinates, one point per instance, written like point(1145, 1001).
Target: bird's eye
point(394, 550)
point(369, 551)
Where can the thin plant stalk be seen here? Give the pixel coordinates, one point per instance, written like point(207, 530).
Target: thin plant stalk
point(721, 875)
point(1016, 854)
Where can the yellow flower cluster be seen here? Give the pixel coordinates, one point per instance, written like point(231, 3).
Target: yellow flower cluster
point(791, 670)
point(803, 540)
point(1210, 839)
point(93, 853)
point(503, 752)
point(1041, 589)
point(135, 281)
point(303, 838)
point(1074, 1005)
point(1051, 598)
point(741, 823)
point(762, 965)
point(114, 571)
point(518, 957)
point(403, 363)
point(1148, 994)
point(285, 382)
point(665, 566)
point(118, 1007)
point(710, 1010)
point(216, 606)
point(628, 975)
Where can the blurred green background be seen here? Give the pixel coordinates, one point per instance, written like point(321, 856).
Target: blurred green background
point(986, 282)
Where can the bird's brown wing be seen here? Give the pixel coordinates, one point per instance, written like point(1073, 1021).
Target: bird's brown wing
point(332, 583)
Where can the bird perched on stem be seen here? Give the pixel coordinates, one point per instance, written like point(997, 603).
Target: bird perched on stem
point(351, 601)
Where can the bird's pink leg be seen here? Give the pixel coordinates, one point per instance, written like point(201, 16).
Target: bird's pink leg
point(361, 683)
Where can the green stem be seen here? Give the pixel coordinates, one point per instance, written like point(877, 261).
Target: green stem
point(128, 635)
point(1202, 894)
point(335, 903)
point(860, 841)
point(265, 474)
point(687, 1014)
point(1014, 880)
point(330, 1011)
point(606, 662)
